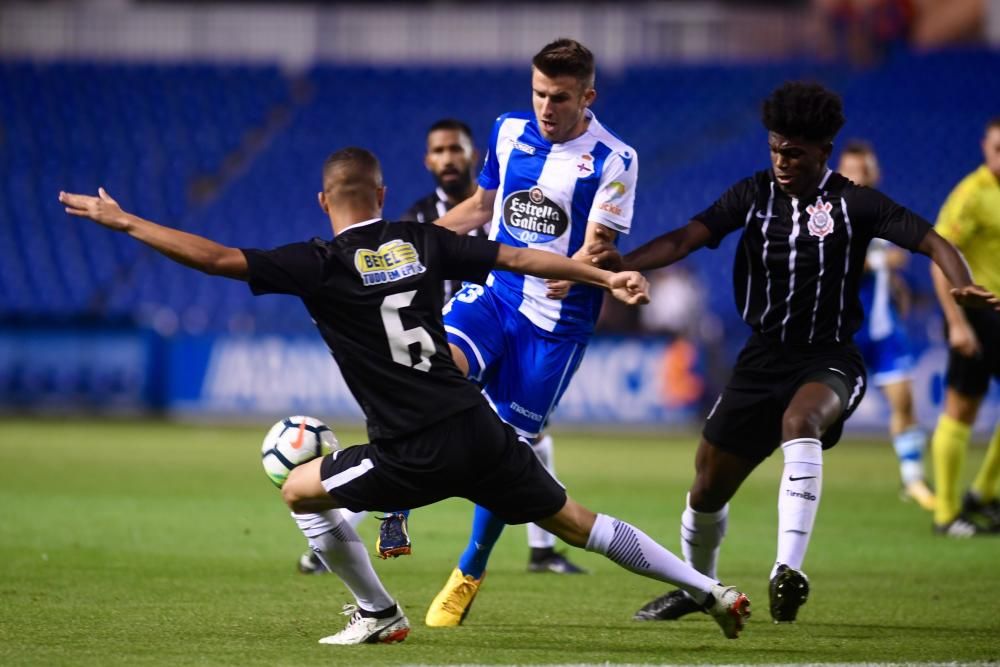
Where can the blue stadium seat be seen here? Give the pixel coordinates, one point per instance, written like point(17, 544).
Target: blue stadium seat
point(697, 130)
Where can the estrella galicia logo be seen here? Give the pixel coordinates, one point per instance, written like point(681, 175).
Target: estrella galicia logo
point(531, 217)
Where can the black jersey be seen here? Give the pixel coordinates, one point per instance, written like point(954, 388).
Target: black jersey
point(798, 268)
point(429, 209)
point(374, 292)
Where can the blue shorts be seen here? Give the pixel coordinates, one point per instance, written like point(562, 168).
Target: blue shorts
point(889, 359)
point(522, 369)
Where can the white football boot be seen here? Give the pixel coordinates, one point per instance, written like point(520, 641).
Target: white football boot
point(367, 630)
point(730, 609)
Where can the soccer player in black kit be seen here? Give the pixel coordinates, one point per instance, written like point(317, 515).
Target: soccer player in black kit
point(451, 158)
point(374, 292)
point(799, 377)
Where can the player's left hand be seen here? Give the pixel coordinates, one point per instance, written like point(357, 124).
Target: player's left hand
point(975, 296)
point(630, 287)
point(603, 254)
point(557, 289)
point(102, 209)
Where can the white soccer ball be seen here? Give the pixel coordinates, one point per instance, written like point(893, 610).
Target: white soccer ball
point(292, 442)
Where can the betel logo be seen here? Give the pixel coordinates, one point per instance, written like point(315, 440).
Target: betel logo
point(531, 217)
point(394, 260)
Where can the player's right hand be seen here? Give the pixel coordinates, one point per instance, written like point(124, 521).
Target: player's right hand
point(630, 287)
point(975, 296)
point(101, 209)
point(963, 340)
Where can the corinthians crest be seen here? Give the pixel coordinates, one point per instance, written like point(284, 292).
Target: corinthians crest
point(820, 221)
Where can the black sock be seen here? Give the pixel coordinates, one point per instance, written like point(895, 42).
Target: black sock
point(538, 554)
point(388, 612)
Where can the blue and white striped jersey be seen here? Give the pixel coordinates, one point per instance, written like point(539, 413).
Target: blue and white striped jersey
point(875, 288)
point(546, 194)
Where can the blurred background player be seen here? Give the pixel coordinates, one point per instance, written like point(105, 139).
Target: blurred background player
point(799, 376)
point(970, 218)
point(451, 158)
point(882, 339)
point(563, 181)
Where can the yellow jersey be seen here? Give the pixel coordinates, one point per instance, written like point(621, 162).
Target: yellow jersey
point(970, 218)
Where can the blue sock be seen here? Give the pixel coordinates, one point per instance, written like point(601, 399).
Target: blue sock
point(486, 530)
point(909, 446)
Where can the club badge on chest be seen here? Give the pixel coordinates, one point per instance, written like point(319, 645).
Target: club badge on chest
point(820, 221)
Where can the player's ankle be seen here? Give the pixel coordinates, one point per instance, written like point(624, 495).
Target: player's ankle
point(539, 554)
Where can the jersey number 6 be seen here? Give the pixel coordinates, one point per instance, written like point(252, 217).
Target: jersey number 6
point(400, 339)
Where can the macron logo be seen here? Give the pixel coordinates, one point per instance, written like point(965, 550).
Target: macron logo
point(526, 148)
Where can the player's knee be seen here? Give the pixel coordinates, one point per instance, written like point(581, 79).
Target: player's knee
point(961, 407)
point(801, 425)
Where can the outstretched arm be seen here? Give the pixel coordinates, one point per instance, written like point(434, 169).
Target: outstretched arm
point(669, 248)
point(949, 260)
point(470, 214)
point(596, 237)
point(187, 249)
point(627, 286)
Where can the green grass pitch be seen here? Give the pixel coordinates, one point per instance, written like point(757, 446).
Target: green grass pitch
point(149, 543)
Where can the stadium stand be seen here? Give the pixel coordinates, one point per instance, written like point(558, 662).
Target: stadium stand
point(234, 153)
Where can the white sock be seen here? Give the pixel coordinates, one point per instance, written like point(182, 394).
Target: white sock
point(353, 518)
point(538, 537)
point(637, 552)
point(336, 543)
point(798, 499)
point(701, 537)
point(910, 446)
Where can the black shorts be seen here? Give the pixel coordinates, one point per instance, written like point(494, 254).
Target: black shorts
point(971, 375)
point(746, 419)
point(470, 455)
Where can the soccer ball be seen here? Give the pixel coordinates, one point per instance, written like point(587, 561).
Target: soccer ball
point(292, 442)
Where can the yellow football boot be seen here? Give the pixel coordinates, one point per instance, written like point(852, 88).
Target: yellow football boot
point(452, 604)
point(920, 493)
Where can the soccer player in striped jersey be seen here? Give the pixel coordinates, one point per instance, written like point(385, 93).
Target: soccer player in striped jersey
point(805, 232)
point(555, 179)
point(883, 341)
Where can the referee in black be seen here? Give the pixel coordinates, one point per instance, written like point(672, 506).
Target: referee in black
point(374, 292)
point(799, 376)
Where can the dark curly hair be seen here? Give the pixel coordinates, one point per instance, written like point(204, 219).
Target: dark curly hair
point(803, 110)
